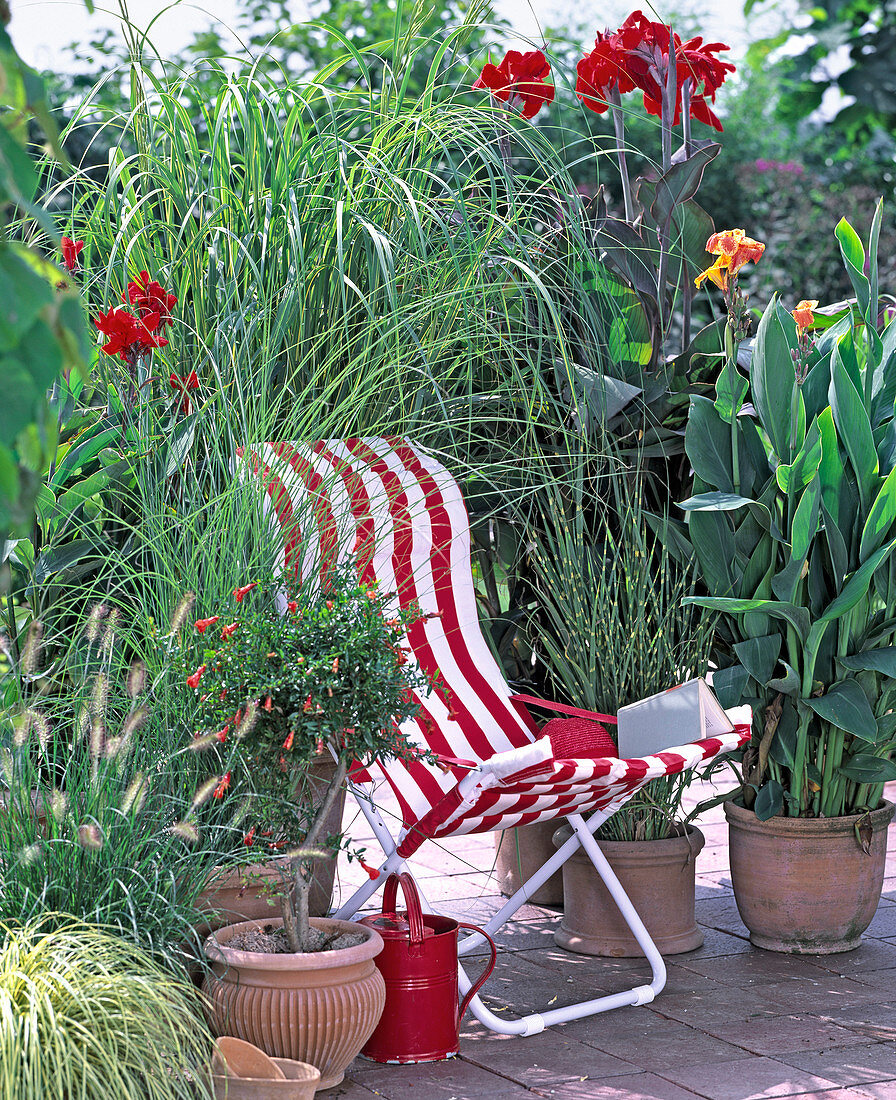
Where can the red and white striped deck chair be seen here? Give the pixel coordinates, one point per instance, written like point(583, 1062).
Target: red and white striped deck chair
point(399, 512)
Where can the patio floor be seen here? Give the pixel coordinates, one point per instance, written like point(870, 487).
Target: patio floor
point(733, 1023)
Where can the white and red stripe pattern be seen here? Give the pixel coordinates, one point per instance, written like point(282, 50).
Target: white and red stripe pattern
point(396, 510)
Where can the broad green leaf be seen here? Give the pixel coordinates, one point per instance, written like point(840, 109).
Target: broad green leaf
point(853, 430)
point(881, 517)
point(713, 544)
point(680, 183)
point(56, 560)
point(730, 684)
point(865, 768)
point(23, 294)
point(794, 477)
point(857, 585)
point(714, 502)
point(731, 389)
point(802, 532)
point(20, 398)
point(798, 617)
point(854, 258)
point(707, 443)
point(846, 706)
point(874, 660)
point(759, 656)
point(788, 684)
point(769, 801)
point(772, 381)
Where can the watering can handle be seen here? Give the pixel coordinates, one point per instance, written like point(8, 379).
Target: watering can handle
point(484, 976)
point(411, 900)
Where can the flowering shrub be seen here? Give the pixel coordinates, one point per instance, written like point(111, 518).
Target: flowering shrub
point(281, 677)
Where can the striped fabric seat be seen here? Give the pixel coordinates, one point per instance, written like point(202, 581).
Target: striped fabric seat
point(392, 507)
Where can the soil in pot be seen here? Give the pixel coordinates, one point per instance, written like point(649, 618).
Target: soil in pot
point(659, 878)
point(318, 1007)
point(804, 885)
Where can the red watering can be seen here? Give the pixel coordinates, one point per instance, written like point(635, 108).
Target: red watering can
point(419, 966)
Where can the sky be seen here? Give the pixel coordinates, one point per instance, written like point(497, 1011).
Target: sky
point(42, 29)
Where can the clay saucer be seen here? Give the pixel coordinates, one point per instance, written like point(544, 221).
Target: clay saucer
point(237, 1058)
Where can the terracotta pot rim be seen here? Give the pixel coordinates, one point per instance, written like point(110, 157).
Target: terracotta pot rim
point(738, 814)
point(312, 960)
point(692, 831)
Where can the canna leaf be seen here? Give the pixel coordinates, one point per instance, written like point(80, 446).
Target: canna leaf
point(773, 379)
point(715, 502)
point(881, 517)
point(731, 389)
point(854, 258)
point(857, 585)
point(769, 801)
point(853, 430)
point(798, 617)
point(707, 444)
point(759, 656)
point(865, 768)
point(872, 660)
point(846, 706)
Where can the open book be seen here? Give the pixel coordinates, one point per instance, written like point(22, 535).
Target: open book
point(688, 712)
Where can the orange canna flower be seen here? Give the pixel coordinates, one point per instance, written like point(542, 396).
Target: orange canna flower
point(803, 314)
point(733, 248)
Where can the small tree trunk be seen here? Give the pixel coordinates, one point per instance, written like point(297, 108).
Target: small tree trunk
point(295, 898)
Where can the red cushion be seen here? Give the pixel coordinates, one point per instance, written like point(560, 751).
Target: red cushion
point(578, 738)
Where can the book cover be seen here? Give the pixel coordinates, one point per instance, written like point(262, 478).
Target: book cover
point(681, 714)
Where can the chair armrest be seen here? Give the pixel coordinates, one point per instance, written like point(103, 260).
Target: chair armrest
point(563, 708)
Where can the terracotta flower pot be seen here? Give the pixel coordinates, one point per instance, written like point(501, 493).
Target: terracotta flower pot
point(519, 854)
point(659, 878)
point(249, 893)
point(319, 1007)
point(300, 1083)
point(802, 884)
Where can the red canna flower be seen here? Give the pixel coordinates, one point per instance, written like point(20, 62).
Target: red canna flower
point(203, 624)
point(222, 786)
point(128, 335)
point(70, 252)
point(241, 592)
point(227, 631)
point(637, 56)
point(150, 297)
point(193, 681)
point(519, 80)
point(183, 386)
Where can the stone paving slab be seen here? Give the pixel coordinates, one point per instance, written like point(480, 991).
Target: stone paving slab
point(734, 1022)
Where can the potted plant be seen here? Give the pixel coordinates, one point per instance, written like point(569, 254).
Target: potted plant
point(793, 523)
point(612, 629)
point(286, 672)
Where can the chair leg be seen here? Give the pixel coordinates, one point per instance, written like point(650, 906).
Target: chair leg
point(392, 862)
point(637, 995)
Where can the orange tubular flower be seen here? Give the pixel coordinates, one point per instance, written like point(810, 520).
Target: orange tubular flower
point(803, 314)
point(223, 784)
point(193, 681)
point(240, 593)
point(203, 624)
point(733, 248)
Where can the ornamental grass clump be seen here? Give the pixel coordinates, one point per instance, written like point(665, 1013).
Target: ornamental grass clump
point(85, 1015)
point(286, 673)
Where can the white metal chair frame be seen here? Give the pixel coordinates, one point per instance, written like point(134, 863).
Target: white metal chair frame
point(398, 511)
